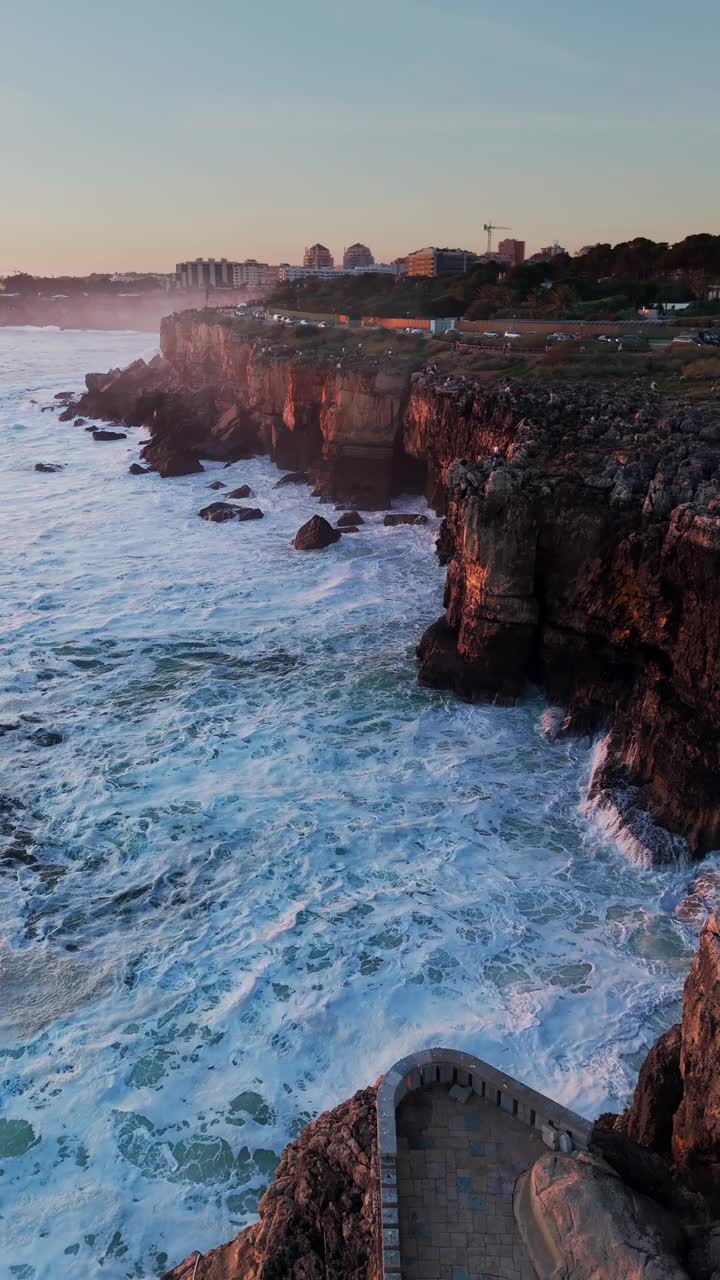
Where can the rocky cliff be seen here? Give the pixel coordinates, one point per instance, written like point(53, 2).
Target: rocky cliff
point(648, 1193)
point(675, 1111)
point(319, 1218)
point(582, 533)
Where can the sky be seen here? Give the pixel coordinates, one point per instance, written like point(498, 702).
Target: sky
point(137, 134)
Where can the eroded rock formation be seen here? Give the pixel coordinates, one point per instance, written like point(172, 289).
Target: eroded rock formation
point(675, 1111)
point(582, 536)
point(319, 1217)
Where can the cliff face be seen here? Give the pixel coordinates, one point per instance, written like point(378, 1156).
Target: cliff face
point(582, 534)
point(338, 420)
point(583, 555)
point(319, 1217)
point(675, 1111)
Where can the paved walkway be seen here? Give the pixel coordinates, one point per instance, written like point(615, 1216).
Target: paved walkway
point(457, 1164)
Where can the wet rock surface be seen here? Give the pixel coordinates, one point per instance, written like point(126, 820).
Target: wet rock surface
point(675, 1111)
point(136, 470)
point(243, 491)
point(219, 512)
point(319, 1217)
point(315, 534)
point(48, 467)
point(108, 435)
point(349, 518)
point(396, 518)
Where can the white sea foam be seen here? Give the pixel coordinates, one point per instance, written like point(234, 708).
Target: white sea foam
point(276, 864)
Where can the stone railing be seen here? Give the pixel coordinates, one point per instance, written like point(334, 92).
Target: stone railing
point(555, 1124)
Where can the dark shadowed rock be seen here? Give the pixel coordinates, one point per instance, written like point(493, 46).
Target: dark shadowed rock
point(46, 737)
point(244, 491)
point(649, 1119)
point(64, 395)
point(136, 470)
point(170, 459)
point(293, 477)
point(217, 484)
point(315, 534)
point(102, 434)
point(219, 512)
point(402, 517)
point(319, 1216)
point(48, 466)
point(349, 518)
point(80, 422)
point(348, 528)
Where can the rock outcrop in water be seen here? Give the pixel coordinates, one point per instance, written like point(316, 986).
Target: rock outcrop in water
point(582, 536)
point(319, 1218)
point(675, 1111)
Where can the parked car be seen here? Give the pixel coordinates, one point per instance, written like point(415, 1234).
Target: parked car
point(489, 333)
point(509, 334)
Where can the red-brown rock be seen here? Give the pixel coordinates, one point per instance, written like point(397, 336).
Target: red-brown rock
point(319, 1217)
point(315, 534)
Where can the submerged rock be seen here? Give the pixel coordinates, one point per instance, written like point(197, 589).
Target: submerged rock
point(49, 466)
point(402, 517)
point(315, 534)
point(136, 470)
point(219, 512)
point(349, 518)
point(46, 737)
point(293, 477)
point(102, 434)
point(244, 491)
point(217, 484)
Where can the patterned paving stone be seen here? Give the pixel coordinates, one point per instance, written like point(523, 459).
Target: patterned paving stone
point(457, 1164)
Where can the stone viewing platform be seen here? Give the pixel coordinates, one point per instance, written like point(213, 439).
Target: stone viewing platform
point(454, 1134)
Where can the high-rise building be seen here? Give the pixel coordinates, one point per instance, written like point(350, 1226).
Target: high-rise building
point(358, 255)
point(514, 250)
point(318, 256)
point(439, 262)
point(255, 275)
point(205, 273)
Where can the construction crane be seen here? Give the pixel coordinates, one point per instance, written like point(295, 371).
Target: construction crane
point(490, 227)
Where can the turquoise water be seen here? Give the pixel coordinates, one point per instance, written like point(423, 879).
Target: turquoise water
point(261, 864)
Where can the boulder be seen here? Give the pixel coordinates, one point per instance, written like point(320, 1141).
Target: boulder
point(217, 484)
point(293, 477)
point(48, 466)
point(402, 517)
point(315, 534)
point(136, 470)
point(219, 512)
point(170, 459)
point(243, 492)
point(80, 422)
point(578, 1221)
point(349, 518)
point(101, 434)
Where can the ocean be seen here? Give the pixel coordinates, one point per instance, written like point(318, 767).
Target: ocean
point(247, 863)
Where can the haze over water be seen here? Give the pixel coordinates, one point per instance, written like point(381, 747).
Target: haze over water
point(262, 864)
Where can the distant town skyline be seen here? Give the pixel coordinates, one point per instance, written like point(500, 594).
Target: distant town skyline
point(245, 131)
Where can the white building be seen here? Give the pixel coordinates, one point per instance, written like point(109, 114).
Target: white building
point(205, 273)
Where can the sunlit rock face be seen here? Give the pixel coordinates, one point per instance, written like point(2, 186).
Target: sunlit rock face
point(319, 1217)
point(582, 537)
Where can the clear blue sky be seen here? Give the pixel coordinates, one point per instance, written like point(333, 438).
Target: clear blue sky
point(137, 133)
